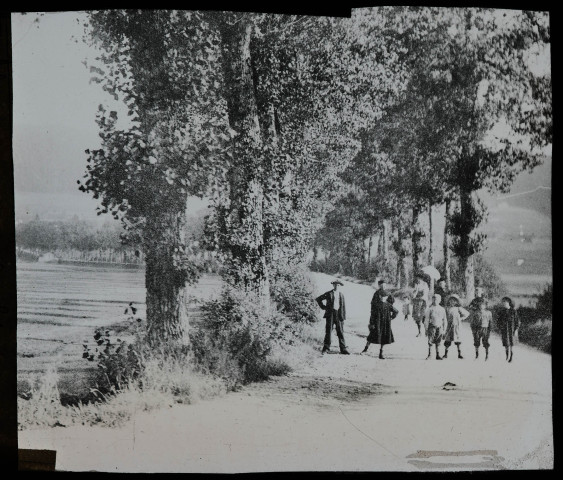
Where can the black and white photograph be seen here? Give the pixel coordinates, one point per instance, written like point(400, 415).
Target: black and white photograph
point(277, 242)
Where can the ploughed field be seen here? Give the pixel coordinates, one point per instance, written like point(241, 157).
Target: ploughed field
point(60, 306)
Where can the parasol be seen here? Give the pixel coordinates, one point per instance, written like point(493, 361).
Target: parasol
point(431, 271)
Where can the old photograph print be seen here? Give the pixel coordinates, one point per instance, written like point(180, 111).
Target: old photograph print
point(257, 242)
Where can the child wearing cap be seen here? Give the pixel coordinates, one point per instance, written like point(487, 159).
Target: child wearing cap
point(419, 309)
point(481, 323)
point(407, 306)
point(436, 324)
point(455, 314)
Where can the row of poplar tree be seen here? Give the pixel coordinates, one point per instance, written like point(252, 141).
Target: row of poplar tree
point(280, 119)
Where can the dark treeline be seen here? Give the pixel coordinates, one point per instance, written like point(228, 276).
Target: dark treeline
point(73, 234)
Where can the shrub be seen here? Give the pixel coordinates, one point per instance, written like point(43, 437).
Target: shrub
point(544, 304)
point(119, 362)
point(293, 292)
point(234, 339)
point(537, 334)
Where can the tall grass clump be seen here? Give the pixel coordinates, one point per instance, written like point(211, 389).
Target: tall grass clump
point(131, 376)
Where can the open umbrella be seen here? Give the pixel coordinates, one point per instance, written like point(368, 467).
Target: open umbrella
point(431, 271)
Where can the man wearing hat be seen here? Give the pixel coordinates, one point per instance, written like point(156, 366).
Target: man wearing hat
point(335, 314)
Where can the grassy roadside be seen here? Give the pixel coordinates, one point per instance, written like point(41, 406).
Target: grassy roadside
point(130, 376)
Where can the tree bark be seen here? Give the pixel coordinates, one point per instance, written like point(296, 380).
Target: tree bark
point(385, 240)
point(404, 273)
point(466, 255)
point(447, 243)
point(417, 240)
point(430, 247)
point(165, 281)
point(430, 239)
point(243, 232)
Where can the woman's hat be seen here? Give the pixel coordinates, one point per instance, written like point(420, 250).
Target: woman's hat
point(453, 296)
point(337, 282)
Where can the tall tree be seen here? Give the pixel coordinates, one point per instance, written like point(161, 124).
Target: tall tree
point(152, 160)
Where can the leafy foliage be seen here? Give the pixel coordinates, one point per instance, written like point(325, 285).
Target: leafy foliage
point(293, 292)
point(119, 362)
point(236, 336)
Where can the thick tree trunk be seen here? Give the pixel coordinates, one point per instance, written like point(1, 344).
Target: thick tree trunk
point(417, 240)
point(165, 279)
point(466, 256)
point(447, 244)
point(243, 232)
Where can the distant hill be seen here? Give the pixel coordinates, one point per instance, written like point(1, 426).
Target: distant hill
point(530, 190)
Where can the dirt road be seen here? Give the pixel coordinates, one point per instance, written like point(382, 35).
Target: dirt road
point(343, 413)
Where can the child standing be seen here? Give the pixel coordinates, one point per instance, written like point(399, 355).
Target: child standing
point(508, 323)
point(436, 324)
point(407, 306)
point(419, 309)
point(455, 314)
point(481, 323)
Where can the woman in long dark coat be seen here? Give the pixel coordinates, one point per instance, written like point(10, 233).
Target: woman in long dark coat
point(382, 312)
point(508, 324)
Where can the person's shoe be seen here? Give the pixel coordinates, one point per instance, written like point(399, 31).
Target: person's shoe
point(325, 350)
point(476, 355)
point(418, 334)
point(345, 352)
point(445, 355)
point(459, 356)
point(428, 356)
point(510, 359)
point(438, 357)
point(381, 356)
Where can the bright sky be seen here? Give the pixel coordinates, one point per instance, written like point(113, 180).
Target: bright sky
point(54, 105)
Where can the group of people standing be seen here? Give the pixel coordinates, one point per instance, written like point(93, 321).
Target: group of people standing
point(441, 318)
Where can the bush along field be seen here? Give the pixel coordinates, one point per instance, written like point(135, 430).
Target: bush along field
point(237, 339)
